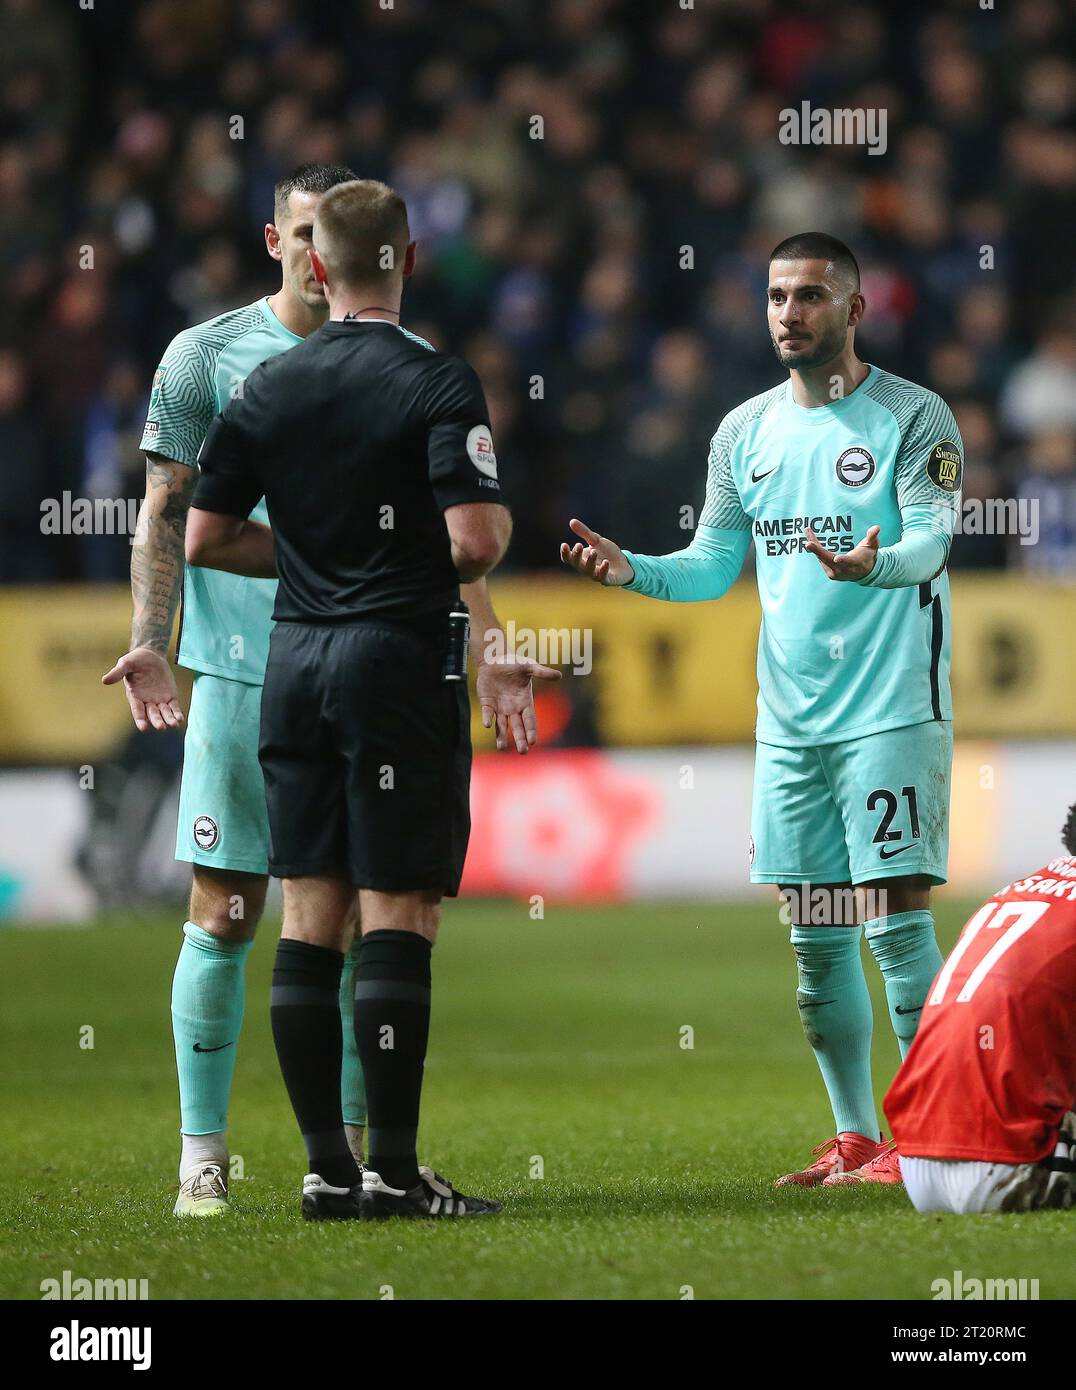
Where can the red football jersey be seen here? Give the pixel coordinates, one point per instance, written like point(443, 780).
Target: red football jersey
point(992, 1069)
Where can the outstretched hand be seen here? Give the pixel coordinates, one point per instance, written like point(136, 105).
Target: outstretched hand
point(150, 687)
point(856, 564)
point(599, 558)
point(506, 696)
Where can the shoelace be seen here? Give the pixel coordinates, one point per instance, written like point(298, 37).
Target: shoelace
point(884, 1159)
point(207, 1182)
point(823, 1150)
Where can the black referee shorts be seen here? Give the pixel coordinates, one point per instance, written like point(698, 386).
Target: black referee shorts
point(366, 753)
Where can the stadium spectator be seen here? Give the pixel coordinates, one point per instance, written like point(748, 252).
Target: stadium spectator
point(26, 556)
point(1050, 479)
point(1041, 392)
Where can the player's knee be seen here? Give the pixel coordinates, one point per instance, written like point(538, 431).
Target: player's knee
point(809, 905)
point(319, 909)
point(413, 912)
point(824, 957)
point(424, 921)
point(886, 897)
point(218, 920)
point(430, 921)
point(228, 906)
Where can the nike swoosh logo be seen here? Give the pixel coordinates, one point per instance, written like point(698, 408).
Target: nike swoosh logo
point(892, 853)
point(817, 1004)
point(756, 476)
point(199, 1048)
point(909, 1011)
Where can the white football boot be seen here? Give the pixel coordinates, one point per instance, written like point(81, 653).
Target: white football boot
point(203, 1192)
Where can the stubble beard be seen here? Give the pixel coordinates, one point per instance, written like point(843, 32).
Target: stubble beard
point(313, 299)
point(825, 350)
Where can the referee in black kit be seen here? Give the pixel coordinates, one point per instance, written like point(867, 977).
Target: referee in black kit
point(375, 458)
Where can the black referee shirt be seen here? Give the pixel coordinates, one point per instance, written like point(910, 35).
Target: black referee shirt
point(358, 438)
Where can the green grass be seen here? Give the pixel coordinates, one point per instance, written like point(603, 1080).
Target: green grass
point(558, 1038)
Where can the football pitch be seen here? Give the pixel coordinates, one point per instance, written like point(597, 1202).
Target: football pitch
point(630, 1165)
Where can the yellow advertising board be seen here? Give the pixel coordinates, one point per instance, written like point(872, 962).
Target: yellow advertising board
point(657, 673)
point(668, 673)
point(57, 643)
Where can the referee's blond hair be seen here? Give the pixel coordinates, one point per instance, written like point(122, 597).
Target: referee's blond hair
point(361, 233)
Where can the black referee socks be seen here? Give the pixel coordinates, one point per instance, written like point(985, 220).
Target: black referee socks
point(392, 1026)
point(305, 1013)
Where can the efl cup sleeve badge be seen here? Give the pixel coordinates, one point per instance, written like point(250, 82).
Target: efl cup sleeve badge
point(153, 427)
point(206, 832)
point(856, 466)
point(943, 466)
point(480, 450)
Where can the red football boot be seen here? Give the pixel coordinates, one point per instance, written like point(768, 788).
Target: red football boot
point(842, 1154)
point(884, 1167)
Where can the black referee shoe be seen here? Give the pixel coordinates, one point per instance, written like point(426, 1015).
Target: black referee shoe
point(323, 1202)
point(431, 1197)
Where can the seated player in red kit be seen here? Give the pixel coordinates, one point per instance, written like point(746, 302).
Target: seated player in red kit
point(982, 1109)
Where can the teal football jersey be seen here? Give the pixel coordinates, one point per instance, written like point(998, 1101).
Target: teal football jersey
point(838, 660)
point(226, 618)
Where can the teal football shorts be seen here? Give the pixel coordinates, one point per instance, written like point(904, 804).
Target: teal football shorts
point(222, 817)
point(872, 807)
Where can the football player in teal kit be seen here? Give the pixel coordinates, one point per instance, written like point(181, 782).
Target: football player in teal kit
point(847, 481)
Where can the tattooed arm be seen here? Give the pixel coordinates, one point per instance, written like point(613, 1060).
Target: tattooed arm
point(156, 581)
point(157, 553)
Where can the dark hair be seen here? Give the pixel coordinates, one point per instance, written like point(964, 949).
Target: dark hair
point(1068, 831)
point(818, 246)
point(308, 178)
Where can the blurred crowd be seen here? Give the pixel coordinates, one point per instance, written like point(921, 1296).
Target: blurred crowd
point(602, 266)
